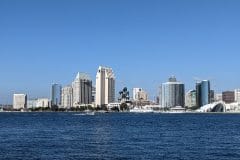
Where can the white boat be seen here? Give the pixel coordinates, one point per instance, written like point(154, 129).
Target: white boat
point(88, 112)
point(141, 110)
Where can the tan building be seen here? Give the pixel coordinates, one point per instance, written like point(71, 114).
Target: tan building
point(82, 90)
point(67, 97)
point(105, 86)
point(139, 94)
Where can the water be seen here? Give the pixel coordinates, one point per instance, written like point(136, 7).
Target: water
point(119, 136)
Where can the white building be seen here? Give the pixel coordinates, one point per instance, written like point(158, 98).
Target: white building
point(218, 97)
point(82, 90)
point(139, 94)
point(237, 95)
point(67, 97)
point(19, 101)
point(31, 103)
point(105, 86)
point(190, 99)
point(173, 93)
point(42, 102)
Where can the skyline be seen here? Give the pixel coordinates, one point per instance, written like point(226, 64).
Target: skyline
point(49, 42)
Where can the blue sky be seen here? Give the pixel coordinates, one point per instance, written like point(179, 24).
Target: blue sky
point(46, 41)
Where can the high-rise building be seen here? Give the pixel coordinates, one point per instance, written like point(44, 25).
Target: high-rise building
point(139, 94)
point(105, 86)
point(228, 96)
point(203, 93)
point(67, 97)
point(56, 95)
point(237, 95)
point(173, 93)
point(190, 100)
point(82, 90)
point(19, 101)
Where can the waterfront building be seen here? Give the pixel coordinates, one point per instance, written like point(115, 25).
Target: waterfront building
point(139, 94)
point(93, 95)
point(135, 91)
point(190, 100)
point(56, 95)
point(173, 93)
point(237, 95)
point(212, 96)
point(82, 90)
point(218, 97)
point(31, 103)
point(42, 102)
point(105, 86)
point(67, 97)
point(19, 101)
point(228, 96)
point(203, 93)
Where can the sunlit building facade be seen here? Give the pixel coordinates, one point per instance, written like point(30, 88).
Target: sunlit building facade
point(82, 90)
point(173, 93)
point(67, 97)
point(19, 101)
point(105, 86)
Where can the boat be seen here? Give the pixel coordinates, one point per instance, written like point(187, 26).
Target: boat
point(85, 114)
point(141, 110)
point(90, 113)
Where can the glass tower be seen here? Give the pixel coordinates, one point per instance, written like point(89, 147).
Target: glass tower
point(173, 93)
point(56, 95)
point(203, 93)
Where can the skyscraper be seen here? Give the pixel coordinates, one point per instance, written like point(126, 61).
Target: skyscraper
point(19, 101)
point(203, 93)
point(82, 90)
point(67, 97)
point(56, 95)
point(105, 86)
point(173, 93)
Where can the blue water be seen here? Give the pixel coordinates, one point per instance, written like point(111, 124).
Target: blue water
point(119, 136)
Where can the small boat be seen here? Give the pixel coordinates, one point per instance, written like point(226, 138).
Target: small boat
point(141, 110)
point(90, 113)
point(86, 113)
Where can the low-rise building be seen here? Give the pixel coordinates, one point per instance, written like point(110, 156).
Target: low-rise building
point(31, 103)
point(42, 102)
point(19, 101)
point(228, 96)
point(237, 95)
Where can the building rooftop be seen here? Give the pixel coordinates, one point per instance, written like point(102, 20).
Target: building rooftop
point(81, 75)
